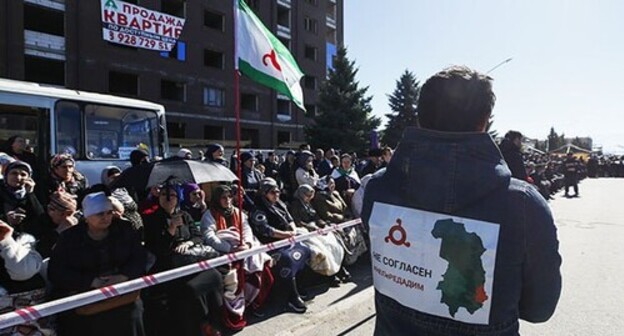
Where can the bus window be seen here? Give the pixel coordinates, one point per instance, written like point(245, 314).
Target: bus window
point(22, 121)
point(68, 128)
point(114, 132)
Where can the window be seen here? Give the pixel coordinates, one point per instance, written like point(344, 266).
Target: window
point(312, 2)
point(172, 90)
point(309, 82)
point(27, 122)
point(123, 83)
point(213, 132)
point(310, 110)
point(176, 130)
point(214, 20)
point(213, 59)
point(249, 102)
point(283, 107)
point(174, 7)
point(44, 20)
point(310, 24)
point(283, 138)
point(114, 132)
point(44, 70)
point(283, 16)
point(310, 52)
point(252, 135)
point(68, 128)
point(254, 4)
point(177, 52)
point(214, 97)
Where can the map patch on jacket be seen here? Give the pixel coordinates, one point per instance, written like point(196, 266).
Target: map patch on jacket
point(435, 263)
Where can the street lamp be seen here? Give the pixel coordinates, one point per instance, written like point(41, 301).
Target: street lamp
point(498, 65)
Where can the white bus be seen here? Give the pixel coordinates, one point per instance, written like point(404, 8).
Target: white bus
point(97, 129)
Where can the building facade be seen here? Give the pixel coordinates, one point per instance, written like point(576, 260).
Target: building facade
point(60, 42)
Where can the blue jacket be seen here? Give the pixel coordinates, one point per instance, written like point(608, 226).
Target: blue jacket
point(464, 175)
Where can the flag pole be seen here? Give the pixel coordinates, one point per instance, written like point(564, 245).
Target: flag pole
point(239, 168)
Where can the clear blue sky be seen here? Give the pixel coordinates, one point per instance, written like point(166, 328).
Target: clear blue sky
point(568, 57)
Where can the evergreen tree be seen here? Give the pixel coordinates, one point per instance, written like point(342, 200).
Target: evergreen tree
point(345, 118)
point(555, 140)
point(403, 102)
point(488, 128)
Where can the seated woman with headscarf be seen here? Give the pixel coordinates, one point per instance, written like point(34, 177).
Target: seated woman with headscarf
point(175, 240)
point(328, 203)
point(194, 202)
point(63, 175)
point(347, 179)
point(331, 207)
point(99, 251)
point(305, 173)
point(18, 204)
point(221, 227)
point(130, 207)
point(59, 216)
point(271, 222)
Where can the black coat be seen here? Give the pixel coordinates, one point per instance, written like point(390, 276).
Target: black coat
point(161, 243)
point(30, 204)
point(513, 158)
point(77, 259)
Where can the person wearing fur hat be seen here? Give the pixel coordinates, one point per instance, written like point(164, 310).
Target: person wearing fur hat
point(221, 227)
point(305, 173)
point(63, 175)
point(99, 251)
point(19, 205)
point(271, 222)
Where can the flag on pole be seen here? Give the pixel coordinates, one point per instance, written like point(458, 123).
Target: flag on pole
point(263, 58)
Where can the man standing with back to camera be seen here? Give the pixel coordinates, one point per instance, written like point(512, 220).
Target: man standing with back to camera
point(458, 246)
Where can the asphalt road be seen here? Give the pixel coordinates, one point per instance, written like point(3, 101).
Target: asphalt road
point(591, 234)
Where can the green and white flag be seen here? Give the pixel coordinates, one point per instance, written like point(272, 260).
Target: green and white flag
point(263, 58)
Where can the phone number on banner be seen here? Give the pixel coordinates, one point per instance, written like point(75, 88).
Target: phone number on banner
point(137, 41)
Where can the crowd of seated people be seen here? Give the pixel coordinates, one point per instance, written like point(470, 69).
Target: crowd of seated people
point(59, 237)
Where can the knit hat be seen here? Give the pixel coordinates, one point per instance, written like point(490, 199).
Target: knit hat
point(95, 203)
point(246, 156)
point(303, 157)
point(108, 172)
point(17, 165)
point(267, 185)
point(213, 148)
point(62, 201)
point(183, 152)
point(60, 159)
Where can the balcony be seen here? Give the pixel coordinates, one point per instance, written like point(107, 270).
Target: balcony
point(44, 45)
point(285, 3)
point(283, 31)
point(52, 4)
point(331, 21)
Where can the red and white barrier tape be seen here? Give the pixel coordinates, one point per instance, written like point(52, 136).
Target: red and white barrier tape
point(54, 307)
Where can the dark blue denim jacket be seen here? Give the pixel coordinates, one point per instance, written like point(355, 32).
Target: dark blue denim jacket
point(463, 174)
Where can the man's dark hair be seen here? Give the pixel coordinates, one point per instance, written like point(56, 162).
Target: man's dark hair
point(513, 135)
point(456, 99)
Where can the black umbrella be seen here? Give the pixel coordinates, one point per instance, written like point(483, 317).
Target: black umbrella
point(144, 176)
point(189, 171)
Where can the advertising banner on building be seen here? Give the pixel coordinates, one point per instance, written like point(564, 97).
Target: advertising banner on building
point(136, 26)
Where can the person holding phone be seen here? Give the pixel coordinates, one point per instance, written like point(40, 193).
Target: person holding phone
point(19, 205)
